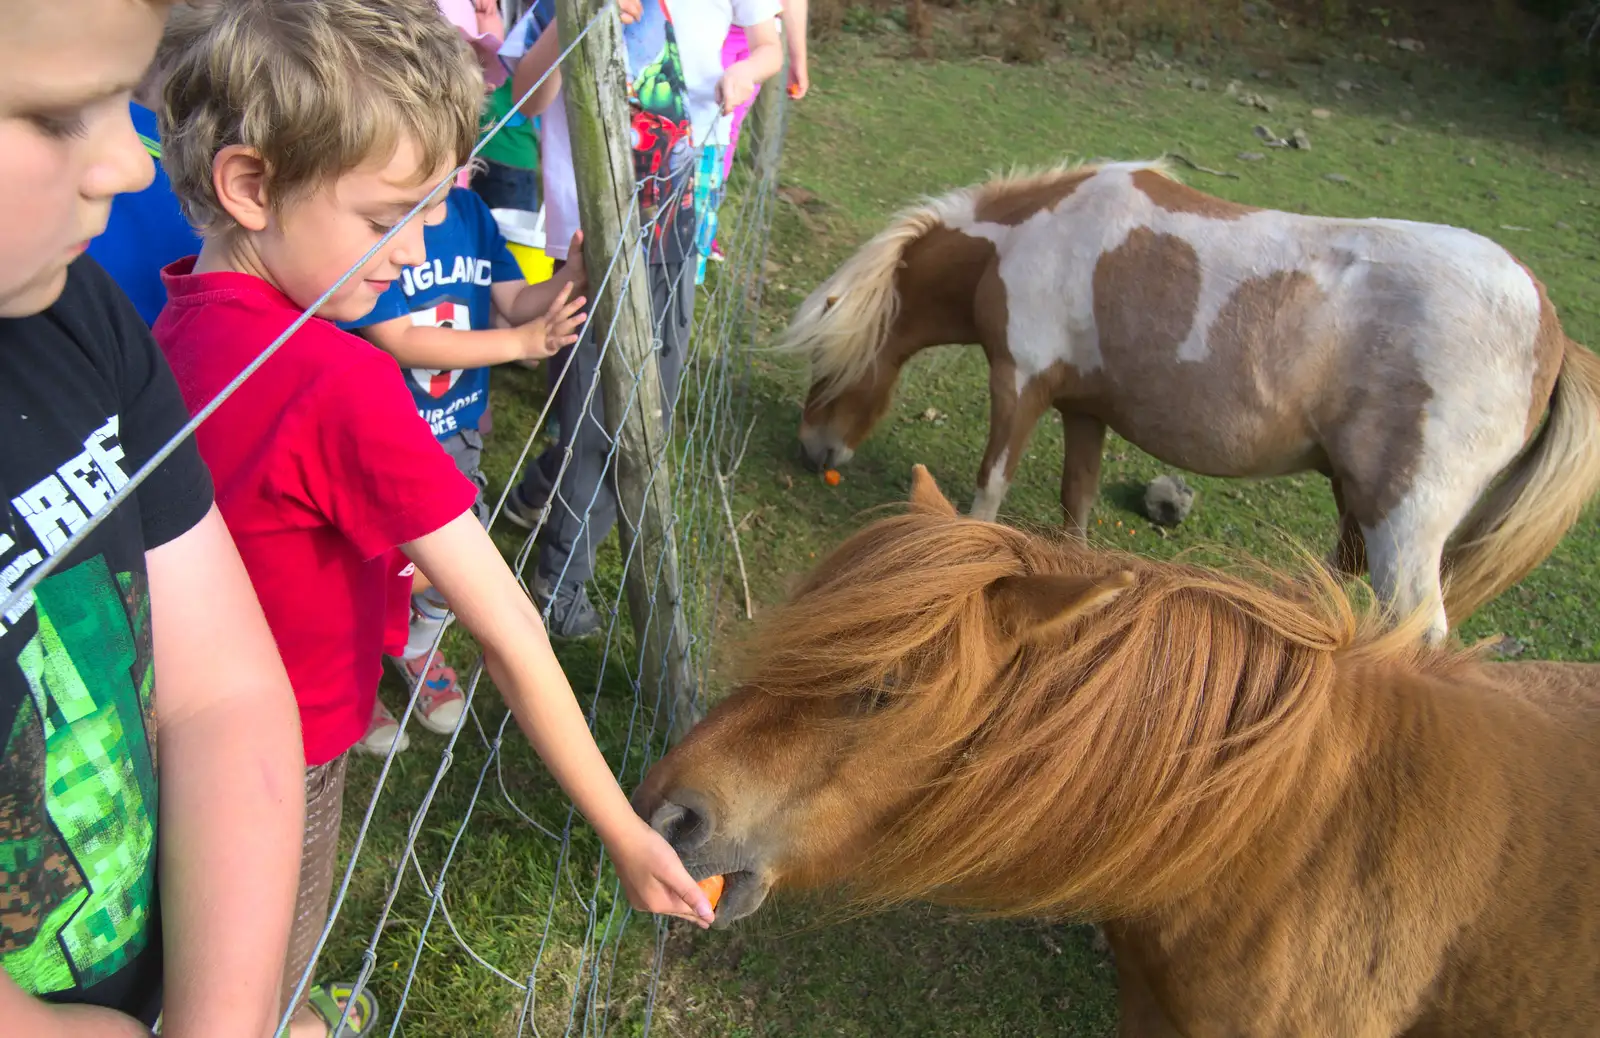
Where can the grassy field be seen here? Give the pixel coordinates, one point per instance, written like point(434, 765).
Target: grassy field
point(1406, 137)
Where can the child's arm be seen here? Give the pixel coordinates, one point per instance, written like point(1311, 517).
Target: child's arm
point(546, 331)
point(539, 58)
point(232, 789)
point(520, 302)
point(543, 54)
point(739, 80)
point(469, 571)
point(21, 1013)
point(794, 36)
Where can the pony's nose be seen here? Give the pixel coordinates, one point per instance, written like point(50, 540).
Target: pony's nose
point(685, 828)
point(816, 456)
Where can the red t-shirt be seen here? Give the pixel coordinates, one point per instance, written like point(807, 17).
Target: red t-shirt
point(322, 468)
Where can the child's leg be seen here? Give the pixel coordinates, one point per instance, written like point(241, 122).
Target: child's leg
point(735, 48)
point(319, 854)
point(583, 502)
point(707, 203)
point(737, 120)
point(507, 187)
point(672, 290)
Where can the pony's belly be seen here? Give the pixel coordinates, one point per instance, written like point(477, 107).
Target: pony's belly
point(1206, 454)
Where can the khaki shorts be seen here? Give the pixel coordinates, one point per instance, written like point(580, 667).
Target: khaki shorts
point(319, 853)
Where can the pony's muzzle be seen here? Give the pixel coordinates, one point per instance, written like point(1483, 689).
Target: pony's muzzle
point(822, 448)
point(686, 828)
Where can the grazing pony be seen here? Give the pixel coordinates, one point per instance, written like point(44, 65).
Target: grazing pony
point(1290, 823)
point(1411, 363)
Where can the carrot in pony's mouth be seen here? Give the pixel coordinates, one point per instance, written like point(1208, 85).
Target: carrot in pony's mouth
point(712, 885)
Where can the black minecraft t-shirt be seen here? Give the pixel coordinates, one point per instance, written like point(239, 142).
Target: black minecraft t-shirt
point(85, 398)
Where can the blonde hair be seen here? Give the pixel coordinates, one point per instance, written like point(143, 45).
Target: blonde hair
point(316, 88)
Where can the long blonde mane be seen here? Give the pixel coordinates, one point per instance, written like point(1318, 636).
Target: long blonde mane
point(843, 323)
point(1121, 761)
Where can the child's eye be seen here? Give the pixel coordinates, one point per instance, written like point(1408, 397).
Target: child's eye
point(60, 127)
point(379, 228)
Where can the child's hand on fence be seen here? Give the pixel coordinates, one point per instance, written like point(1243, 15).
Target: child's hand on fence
point(630, 11)
point(735, 87)
point(576, 271)
point(556, 327)
point(654, 878)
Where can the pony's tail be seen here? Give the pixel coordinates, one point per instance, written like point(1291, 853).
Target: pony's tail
point(1520, 521)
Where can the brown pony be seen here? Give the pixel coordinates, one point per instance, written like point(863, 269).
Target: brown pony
point(1290, 822)
point(1412, 363)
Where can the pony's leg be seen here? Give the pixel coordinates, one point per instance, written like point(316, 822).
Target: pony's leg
point(1139, 1013)
point(1083, 439)
point(1404, 553)
point(1349, 558)
point(1012, 416)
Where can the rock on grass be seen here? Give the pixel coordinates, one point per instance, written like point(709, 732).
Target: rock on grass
point(1168, 500)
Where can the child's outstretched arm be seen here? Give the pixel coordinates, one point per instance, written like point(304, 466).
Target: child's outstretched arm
point(794, 36)
point(468, 570)
point(232, 789)
point(520, 302)
point(739, 80)
point(420, 346)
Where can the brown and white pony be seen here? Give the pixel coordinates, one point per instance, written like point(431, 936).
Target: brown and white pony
point(1412, 363)
point(1289, 822)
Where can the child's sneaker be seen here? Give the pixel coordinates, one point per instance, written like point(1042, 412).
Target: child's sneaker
point(571, 615)
point(440, 703)
point(716, 252)
point(382, 732)
point(520, 511)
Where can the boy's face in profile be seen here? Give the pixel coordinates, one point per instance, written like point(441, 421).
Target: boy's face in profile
point(314, 236)
point(67, 145)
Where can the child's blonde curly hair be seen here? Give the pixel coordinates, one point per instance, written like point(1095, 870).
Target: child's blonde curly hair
point(316, 88)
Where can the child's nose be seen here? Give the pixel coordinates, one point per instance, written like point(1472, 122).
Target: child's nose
point(121, 165)
point(408, 247)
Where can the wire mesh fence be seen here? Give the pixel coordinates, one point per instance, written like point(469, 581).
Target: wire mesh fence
point(475, 899)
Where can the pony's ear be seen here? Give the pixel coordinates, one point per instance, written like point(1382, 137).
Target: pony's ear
point(1028, 607)
point(926, 495)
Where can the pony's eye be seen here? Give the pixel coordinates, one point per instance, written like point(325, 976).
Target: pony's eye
point(877, 698)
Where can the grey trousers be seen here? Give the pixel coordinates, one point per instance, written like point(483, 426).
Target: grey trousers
point(585, 506)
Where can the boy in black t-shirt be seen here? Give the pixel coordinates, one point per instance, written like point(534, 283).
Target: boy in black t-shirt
point(151, 617)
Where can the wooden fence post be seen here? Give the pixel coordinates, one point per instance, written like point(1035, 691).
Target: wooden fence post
point(594, 80)
point(764, 123)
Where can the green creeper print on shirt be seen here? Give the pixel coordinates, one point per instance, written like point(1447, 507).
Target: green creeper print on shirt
point(82, 883)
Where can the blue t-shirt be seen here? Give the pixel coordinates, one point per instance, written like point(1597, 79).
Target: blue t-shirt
point(466, 255)
point(146, 231)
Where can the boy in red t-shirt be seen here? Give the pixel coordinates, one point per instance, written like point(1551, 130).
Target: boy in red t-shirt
point(297, 133)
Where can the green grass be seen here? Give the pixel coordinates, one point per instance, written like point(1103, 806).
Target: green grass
point(879, 131)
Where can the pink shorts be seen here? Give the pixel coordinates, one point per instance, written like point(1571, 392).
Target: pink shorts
point(734, 50)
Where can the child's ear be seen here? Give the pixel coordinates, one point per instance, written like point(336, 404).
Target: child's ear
point(239, 178)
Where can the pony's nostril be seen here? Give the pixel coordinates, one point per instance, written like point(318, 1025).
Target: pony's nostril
point(682, 827)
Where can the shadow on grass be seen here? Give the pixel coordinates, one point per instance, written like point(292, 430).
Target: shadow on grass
point(799, 969)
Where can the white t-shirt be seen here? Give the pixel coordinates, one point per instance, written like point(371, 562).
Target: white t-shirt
point(560, 186)
point(555, 157)
point(701, 26)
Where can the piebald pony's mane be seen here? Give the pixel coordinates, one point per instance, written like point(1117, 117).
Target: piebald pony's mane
point(843, 323)
point(1125, 756)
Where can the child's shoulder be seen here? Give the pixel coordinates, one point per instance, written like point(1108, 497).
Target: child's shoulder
point(229, 318)
point(472, 218)
point(469, 208)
